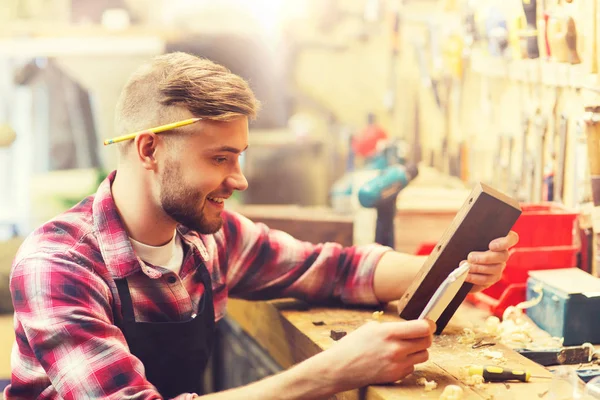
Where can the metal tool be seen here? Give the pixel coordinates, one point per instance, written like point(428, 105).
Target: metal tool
point(562, 356)
point(539, 125)
point(587, 374)
point(571, 40)
point(524, 194)
point(492, 373)
point(426, 76)
point(561, 156)
point(481, 344)
point(592, 130)
point(381, 193)
point(531, 43)
point(592, 119)
point(580, 186)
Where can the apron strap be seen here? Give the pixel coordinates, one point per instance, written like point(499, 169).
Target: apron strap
point(125, 296)
point(202, 274)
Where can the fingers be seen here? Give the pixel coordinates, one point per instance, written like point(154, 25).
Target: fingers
point(401, 371)
point(405, 371)
point(415, 329)
point(488, 257)
point(505, 242)
point(411, 346)
point(485, 275)
point(483, 280)
point(418, 358)
point(408, 362)
point(488, 269)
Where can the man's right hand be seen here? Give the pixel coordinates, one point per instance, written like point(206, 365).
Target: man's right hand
point(378, 353)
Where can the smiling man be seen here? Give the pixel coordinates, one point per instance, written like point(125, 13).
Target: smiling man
point(118, 297)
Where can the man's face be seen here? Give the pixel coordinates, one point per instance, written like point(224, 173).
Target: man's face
point(202, 172)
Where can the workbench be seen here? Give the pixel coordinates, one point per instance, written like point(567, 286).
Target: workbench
point(286, 330)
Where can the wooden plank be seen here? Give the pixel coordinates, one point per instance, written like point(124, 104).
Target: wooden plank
point(285, 329)
point(486, 215)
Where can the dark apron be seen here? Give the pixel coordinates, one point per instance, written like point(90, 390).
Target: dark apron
point(174, 354)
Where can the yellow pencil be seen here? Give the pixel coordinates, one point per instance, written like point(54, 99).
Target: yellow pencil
point(157, 129)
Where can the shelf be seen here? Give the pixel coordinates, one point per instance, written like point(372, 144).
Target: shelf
point(535, 71)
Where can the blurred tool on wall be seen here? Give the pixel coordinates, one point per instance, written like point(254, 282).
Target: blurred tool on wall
point(529, 39)
point(7, 137)
point(592, 123)
point(377, 183)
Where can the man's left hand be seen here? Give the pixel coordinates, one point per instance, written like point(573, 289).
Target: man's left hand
point(486, 267)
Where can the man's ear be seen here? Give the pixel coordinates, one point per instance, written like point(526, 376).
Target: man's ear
point(145, 147)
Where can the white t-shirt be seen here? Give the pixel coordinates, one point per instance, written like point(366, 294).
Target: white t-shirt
point(169, 256)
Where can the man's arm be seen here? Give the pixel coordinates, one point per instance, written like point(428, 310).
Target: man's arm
point(261, 263)
point(395, 271)
point(374, 353)
point(394, 274)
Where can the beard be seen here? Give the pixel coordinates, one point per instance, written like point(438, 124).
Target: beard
point(181, 203)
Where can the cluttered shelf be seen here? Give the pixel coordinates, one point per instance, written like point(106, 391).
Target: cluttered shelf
point(291, 331)
point(534, 71)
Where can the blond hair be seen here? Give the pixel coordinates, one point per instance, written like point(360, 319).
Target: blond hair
point(156, 91)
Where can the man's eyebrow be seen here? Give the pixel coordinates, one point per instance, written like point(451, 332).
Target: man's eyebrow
point(227, 149)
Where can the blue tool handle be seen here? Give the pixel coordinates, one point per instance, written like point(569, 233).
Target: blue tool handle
point(587, 375)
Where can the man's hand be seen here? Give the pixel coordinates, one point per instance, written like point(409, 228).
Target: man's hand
point(487, 267)
point(377, 353)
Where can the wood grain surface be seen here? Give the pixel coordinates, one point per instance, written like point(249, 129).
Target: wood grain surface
point(285, 329)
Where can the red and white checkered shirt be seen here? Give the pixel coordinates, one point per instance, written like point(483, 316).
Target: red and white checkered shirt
point(66, 302)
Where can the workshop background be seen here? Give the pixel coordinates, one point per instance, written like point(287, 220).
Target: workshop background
point(499, 92)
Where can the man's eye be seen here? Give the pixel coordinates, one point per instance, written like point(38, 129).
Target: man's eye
point(220, 160)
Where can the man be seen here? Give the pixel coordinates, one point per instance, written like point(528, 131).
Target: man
point(117, 298)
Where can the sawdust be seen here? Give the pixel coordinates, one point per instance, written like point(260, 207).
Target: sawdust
point(452, 392)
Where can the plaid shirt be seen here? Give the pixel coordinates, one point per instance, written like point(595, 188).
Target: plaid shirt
point(66, 302)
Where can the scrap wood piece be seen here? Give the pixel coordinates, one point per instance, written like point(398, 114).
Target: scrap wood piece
point(486, 215)
point(337, 334)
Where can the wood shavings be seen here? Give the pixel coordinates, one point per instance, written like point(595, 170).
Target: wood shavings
point(452, 392)
point(515, 330)
point(591, 349)
point(474, 380)
point(496, 355)
point(467, 337)
point(429, 385)
point(538, 289)
point(377, 315)
point(492, 325)
point(512, 313)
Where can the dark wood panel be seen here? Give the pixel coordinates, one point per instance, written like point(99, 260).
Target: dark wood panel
point(486, 215)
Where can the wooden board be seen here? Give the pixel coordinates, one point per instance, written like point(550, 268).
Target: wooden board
point(486, 215)
point(285, 329)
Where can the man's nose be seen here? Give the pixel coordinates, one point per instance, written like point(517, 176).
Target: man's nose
point(237, 181)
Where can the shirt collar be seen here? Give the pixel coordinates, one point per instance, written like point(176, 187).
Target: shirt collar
point(114, 243)
point(115, 247)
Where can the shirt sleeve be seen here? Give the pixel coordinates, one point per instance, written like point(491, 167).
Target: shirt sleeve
point(265, 263)
point(64, 310)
